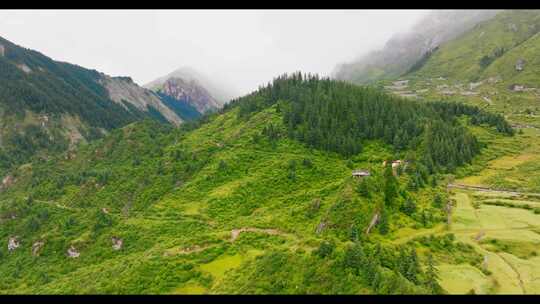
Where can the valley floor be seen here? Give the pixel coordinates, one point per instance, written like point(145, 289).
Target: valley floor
point(502, 224)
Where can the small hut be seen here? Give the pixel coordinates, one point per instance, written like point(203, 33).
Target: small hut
point(360, 173)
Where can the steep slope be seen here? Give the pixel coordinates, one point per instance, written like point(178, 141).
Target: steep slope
point(246, 201)
point(403, 50)
point(48, 106)
point(190, 87)
point(492, 65)
point(480, 52)
point(123, 89)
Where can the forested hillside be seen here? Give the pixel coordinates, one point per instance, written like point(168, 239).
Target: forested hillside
point(494, 66)
point(257, 198)
point(48, 107)
point(337, 116)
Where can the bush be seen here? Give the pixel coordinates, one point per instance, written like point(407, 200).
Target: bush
point(325, 249)
point(307, 163)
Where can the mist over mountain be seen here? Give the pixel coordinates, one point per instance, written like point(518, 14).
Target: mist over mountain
point(217, 93)
point(403, 50)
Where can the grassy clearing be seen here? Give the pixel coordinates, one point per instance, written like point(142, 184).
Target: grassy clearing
point(461, 279)
point(520, 249)
point(508, 244)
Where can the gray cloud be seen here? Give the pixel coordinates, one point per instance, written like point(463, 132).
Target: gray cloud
point(244, 49)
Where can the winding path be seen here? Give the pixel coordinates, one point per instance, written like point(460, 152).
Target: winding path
point(486, 189)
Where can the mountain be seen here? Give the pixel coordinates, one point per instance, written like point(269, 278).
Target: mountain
point(492, 65)
point(403, 50)
point(257, 199)
point(493, 48)
point(188, 86)
point(49, 106)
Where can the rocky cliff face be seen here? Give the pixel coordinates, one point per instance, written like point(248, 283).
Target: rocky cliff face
point(403, 50)
point(191, 92)
point(123, 89)
point(194, 88)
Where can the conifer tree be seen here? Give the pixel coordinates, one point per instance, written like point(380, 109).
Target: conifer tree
point(432, 276)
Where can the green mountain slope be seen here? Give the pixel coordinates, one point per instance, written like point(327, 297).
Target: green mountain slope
point(256, 199)
point(48, 106)
point(493, 65)
point(484, 51)
point(403, 51)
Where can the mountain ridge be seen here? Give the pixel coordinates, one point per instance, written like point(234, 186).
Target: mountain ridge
point(48, 105)
point(404, 49)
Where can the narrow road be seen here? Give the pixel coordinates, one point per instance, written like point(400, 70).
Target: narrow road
point(486, 189)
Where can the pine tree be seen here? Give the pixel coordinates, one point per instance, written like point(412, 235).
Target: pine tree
point(413, 267)
point(438, 201)
point(383, 222)
point(424, 218)
point(432, 276)
point(409, 206)
point(390, 187)
point(363, 188)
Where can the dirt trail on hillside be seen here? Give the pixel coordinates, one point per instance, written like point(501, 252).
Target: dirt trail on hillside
point(235, 233)
point(187, 250)
point(58, 205)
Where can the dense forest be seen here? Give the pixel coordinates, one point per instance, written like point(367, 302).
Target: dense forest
point(337, 116)
point(55, 87)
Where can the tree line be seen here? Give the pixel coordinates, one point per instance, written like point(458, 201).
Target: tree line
point(338, 116)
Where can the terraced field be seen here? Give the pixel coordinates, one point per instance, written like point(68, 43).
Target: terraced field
point(507, 237)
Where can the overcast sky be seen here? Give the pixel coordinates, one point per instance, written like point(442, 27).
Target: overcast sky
point(242, 48)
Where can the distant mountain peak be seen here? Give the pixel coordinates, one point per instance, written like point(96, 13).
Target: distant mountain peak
point(193, 87)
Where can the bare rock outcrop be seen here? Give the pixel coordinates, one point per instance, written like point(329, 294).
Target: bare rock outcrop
point(474, 85)
point(24, 68)
point(517, 88)
point(13, 243)
point(117, 243)
point(6, 182)
point(72, 252)
point(320, 227)
point(373, 222)
point(520, 65)
point(219, 89)
point(123, 89)
point(494, 79)
point(191, 92)
point(36, 247)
